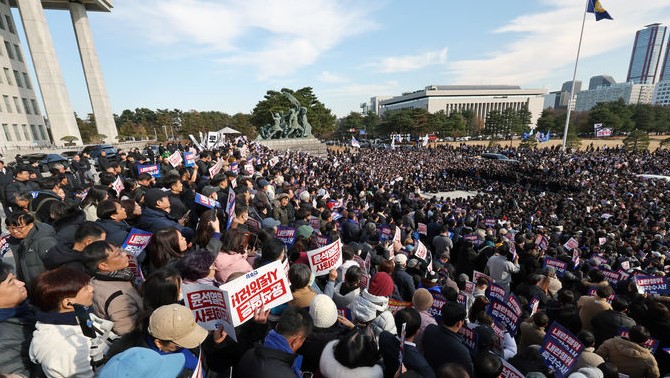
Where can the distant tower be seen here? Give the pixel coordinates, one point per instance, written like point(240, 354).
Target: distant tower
point(665, 66)
point(57, 105)
point(601, 81)
point(646, 55)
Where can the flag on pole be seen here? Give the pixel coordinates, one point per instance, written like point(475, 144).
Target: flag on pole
point(425, 141)
point(597, 9)
point(354, 143)
point(393, 143)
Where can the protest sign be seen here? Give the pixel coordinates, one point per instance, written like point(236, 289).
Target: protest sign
point(315, 223)
point(249, 168)
point(534, 305)
point(396, 305)
point(611, 276)
point(490, 222)
point(175, 159)
point(472, 238)
point(365, 281)
point(266, 287)
point(209, 307)
point(230, 207)
point(212, 138)
point(189, 159)
point(421, 251)
point(436, 309)
point(274, 161)
point(322, 241)
point(4, 246)
point(495, 291)
point(136, 241)
point(118, 186)
point(576, 258)
point(560, 350)
point(476, 275)
point(323, 260)
point(361, 263)
point(235, 167)
point(286, 234)
point(469, 338)
point(557, 264)
point(152, 169)
point(592, 293)
point(651, 344)
point(206, 201)
point(396, 236)
point(602, 241)
point(506, 315)
point(542, 242)
point(216, 168)
point(652, 285)
point(253, 224)
point(422, 228)
point(571, 244)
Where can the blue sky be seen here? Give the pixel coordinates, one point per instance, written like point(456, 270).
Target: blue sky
point(224, 55)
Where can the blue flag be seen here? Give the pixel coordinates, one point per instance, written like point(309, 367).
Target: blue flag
point(596, 8)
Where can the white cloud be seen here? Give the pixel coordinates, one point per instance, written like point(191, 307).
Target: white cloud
point(548, 41)
point(329, 77)
point(410, 62)
point(278, 38)
point(346, 98)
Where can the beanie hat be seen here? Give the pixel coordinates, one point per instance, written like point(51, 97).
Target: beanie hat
point(591, 372)
point(422, 299)
point(305, 231)
point(381, 285)
point(323, 311)
point(401, 259)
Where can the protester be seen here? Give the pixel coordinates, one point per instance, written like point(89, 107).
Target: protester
point(17, 323)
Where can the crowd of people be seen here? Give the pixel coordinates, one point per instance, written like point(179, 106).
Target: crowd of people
point(73, 304)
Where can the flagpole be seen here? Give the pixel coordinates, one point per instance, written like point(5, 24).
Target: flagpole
point(574, 78)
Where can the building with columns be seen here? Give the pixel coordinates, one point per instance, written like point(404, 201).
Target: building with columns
point(20, 109)
point(481, 99)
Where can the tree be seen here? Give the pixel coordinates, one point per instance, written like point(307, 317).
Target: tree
point(69, 139)
point(494, 124)
point(637, 140)
point(371, 122)
point(320, 117)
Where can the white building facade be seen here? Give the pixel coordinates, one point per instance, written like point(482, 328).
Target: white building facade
point(629, 92)
point(480, 99)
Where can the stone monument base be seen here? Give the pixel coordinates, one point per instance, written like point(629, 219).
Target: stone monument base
point(310, 145)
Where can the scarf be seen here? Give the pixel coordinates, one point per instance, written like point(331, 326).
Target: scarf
point(21, 311)
point(276, 341)
point(117, 275)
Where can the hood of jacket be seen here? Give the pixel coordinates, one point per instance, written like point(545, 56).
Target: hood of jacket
point(344, 300)
point(331, 367)
point(628, 348)
point(61, 254)
point(367, 306)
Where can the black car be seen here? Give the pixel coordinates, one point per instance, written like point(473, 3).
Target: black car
point(45, 161)
point(95, 150)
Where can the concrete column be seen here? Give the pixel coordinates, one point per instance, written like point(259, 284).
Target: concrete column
point(102, 109)
point(49, 76)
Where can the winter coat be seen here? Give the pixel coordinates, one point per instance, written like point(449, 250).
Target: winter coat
point(389, 346)
point(588, 358)
point(226, 264)
point(91, 213)
point(40, 206)
point(606, 324)
point(314, 344)
point(264, 362)
point(281, 214)
point(335, 292)
point(16, 331)
point(63, 255)
point(153, 220)
point(117, 232)
point(66, 227)
point(630, 358)
point(331, 368)
point(405, 284)
point(589, 307)
point(116, 299)
point(373, 309)
point(442, 346)
point(530, 334)
point(19, 187)
point(30, 252)
point(302, 297)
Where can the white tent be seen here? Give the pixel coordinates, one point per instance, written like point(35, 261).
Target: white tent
point(228, 130)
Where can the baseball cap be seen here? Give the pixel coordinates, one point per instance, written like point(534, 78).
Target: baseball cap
point(400, 259)
point(153, 195)
point(176, 323)
point(143, 362)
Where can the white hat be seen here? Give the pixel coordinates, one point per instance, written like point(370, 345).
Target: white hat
point(304, 196)
point(401, 259)
point(323, 311)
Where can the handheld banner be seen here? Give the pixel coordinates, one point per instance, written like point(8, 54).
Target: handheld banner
point(216, 168)
point(323, 260)
point(152, 169)
point(396, 236)
point(322, 241)
point(4, 246)
point(266, 287)
point(542, 242)
point(209, 307)
point(230, 207)
point(250, 169)
point(571, 244)
point(315, 223)
point(136, 241)
point(421, 252)
point(422, 228)
point(476, 275)
point(490, 222)
point(496, 292)
point(652, 285)
point(286, 234)
point(253, 224)
point(651, 344)
point(396, 305)
point(509, 371)
point(385, 233)
point(505, 314)
point(611, 276)
point(560, 349)
point(189, 159)
point(118, 186)
point(436, 309)
point(557, 264)
point(212, 138)
point(175, 159)
point(469, 338)
point(206, 201)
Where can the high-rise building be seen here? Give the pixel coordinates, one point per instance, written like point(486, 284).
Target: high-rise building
point(601, 81)
point(630, 94)
point(646, 55)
